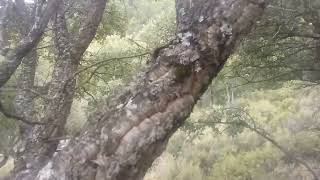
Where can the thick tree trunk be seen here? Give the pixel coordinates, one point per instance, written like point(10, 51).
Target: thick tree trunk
point(125, 135)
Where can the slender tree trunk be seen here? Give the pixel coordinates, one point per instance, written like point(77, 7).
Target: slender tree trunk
point(125, 135)
point(4, 9)
point(24, 103)
point(24, 100)
point(40, 146)
point(37, 152)
point(13, 57)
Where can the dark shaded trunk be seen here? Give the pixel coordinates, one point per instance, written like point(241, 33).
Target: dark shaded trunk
point(125, 135)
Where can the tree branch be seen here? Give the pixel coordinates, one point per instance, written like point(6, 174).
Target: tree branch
point(99, 64)
point(89, 28)
point(16, 117)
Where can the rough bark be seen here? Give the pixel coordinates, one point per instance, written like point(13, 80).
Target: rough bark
point(39, 146)
point(125, 135)
point(14, 56)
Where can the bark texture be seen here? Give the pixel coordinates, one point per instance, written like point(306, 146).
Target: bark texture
point(126, 134)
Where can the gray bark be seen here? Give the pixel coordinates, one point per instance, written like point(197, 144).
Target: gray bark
point(126, 134)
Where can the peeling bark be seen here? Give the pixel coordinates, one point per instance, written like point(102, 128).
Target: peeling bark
point(125, 135)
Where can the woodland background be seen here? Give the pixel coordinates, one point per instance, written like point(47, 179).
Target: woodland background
point(259, 120)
